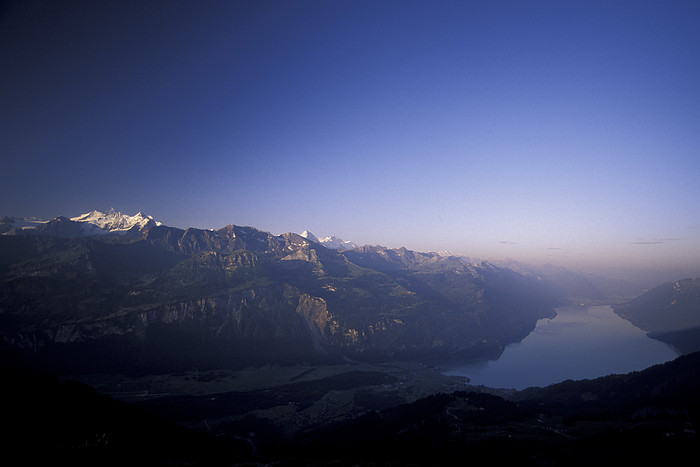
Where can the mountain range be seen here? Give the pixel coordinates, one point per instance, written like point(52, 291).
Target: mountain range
point(332, 241)
point(127, 291)
point(94, 223)
point(122, 289)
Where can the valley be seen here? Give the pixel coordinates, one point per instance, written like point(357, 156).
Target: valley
point(348, 414)
point(290, 399)
point(277, 349)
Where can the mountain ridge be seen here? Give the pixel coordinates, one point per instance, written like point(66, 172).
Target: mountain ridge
point(242, 295)
point(332, 241)
point(669, 312)
point(94, 223)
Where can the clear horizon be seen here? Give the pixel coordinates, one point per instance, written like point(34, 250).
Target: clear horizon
point(556, 132)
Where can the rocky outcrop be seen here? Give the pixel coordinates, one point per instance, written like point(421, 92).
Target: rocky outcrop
point(319, 322)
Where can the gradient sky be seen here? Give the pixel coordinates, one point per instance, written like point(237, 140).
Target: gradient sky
point(557, 131)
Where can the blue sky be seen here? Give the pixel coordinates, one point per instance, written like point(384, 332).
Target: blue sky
point(563, 131)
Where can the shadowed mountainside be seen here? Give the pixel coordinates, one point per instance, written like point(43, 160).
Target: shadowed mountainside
point(669, 312)
point(174, 299)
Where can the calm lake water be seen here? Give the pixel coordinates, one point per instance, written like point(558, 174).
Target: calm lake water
point(579, 343)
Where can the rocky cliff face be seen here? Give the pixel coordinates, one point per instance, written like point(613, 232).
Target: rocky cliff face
point(242, 296)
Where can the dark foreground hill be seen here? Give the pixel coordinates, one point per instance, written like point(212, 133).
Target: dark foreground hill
point(650, 416)
point(49, 422)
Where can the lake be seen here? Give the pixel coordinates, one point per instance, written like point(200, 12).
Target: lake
point(579, 343)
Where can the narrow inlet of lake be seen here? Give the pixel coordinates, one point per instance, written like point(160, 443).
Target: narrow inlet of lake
point(579, 343)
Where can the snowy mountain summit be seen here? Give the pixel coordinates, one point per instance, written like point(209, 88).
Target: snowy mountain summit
point(309, 236)
point(330, 242)
point(96, 222)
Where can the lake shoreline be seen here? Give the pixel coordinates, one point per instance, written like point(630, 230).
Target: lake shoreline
point(581, 342)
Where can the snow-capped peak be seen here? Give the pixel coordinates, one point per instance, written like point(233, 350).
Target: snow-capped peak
point(114, 222)
point(330, 242)
point(309, 236)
